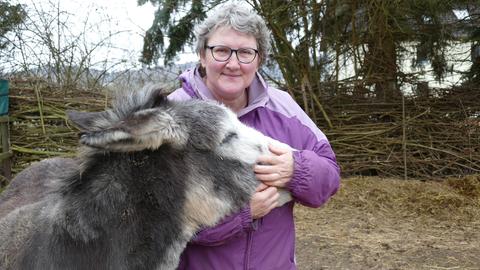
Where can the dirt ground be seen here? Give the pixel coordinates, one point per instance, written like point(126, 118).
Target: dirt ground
point(374, 223)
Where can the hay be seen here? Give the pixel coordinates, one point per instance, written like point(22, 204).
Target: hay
point(407, 198)
point(374, 223)
point(468, 186)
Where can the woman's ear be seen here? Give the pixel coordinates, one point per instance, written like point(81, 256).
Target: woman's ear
point(259, 61)
point(203, 59)
point(203, 64)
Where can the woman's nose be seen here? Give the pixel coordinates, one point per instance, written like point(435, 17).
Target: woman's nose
point(233, 61)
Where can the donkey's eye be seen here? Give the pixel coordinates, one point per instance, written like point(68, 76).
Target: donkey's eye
point(229, 137)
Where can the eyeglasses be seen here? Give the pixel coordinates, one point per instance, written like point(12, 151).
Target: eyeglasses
point(223, 54)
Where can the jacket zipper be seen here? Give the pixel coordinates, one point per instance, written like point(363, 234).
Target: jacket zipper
point(249, 244)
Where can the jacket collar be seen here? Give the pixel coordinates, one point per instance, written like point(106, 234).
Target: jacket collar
point(194, 86)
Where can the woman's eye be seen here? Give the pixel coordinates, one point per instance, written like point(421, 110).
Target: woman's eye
point(246, 51)
point(222, 50)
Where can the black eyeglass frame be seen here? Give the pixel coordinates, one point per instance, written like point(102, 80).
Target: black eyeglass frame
point(231, 52)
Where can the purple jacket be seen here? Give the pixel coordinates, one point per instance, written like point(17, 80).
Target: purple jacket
point(238, 242)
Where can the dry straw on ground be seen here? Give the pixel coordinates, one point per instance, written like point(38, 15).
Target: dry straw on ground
point(377, 223)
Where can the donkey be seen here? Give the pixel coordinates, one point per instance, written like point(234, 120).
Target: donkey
point(149, 174)
point(33, 183)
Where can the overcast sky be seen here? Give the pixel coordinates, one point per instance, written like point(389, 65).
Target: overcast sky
point(123, 17)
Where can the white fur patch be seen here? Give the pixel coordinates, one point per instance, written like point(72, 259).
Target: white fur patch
point(248, 146)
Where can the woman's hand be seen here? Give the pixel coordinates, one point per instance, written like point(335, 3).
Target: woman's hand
point(263, 201)
point(276, 169)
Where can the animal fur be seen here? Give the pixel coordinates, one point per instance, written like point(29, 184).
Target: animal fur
point(151, 173)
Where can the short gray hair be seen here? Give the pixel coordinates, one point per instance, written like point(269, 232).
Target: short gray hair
point(240, 18)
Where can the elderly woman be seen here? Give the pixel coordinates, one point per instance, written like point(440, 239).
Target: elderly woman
point(232, 43)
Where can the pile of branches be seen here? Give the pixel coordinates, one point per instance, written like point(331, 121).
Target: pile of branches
point(413, 137)
point(39, 127)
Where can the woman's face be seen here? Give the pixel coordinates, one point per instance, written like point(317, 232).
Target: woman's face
point(228, 80)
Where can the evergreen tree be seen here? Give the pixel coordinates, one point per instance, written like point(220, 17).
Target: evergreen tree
point(10, 17)
point(178, 29)
point(310, 37)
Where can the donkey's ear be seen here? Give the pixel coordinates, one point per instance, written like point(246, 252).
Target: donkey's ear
point(149, 97)
point(145, 129)
point(159, 97)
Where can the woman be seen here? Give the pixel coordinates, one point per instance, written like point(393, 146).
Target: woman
point(232, 44)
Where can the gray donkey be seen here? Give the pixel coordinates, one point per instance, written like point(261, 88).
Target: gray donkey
point(150, 173)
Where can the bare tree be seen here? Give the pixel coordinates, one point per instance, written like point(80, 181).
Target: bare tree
point(51, 43)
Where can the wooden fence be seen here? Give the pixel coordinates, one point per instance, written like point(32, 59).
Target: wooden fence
point(412, 138)
point(38, 125)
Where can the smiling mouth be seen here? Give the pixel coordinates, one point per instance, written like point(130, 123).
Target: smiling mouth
point(232, 75)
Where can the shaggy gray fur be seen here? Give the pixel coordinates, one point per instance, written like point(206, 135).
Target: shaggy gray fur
point(151, 173)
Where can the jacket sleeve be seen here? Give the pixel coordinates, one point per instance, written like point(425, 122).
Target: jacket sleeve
point(229, 228)
point(316, 175)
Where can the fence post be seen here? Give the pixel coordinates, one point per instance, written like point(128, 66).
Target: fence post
point(404, 138)
point(4, 133)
